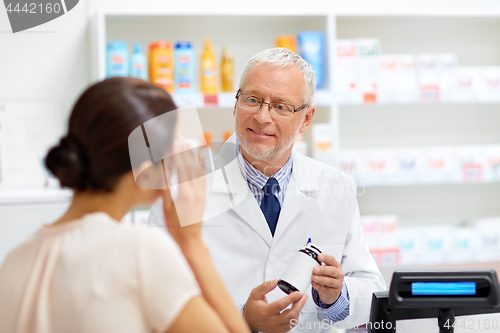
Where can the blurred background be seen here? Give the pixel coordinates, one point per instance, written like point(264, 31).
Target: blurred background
point(408, 103)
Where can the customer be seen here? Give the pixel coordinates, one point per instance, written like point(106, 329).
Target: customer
point(85, 272)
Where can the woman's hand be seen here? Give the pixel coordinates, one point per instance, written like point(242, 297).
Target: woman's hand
point(183, 218)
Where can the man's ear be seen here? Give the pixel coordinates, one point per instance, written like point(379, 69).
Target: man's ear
point(307, 119)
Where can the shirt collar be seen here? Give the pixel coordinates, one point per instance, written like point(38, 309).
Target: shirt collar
point(259, 179)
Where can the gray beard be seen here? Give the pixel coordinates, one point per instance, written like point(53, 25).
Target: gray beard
point(268, 154)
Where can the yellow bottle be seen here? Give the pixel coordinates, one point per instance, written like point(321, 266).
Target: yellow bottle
point(208, 69)
point(161, 65)
point(227, 70)
point(287, 41)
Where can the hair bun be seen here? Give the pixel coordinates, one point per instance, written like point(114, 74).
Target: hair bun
point(68, 161)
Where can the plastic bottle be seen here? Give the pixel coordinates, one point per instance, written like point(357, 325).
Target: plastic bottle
point(184, 68)
point(226, 135)
point(227, 70)
point(117, 58)
point(287, 41)
point(208, 69)
point(297, 275)
point(161, 65)
point(138, 63)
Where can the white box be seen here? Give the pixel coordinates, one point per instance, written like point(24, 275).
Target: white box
point(353, 162)
point(465, 242)
point(410, 165)
point(489, 239)
point(382, 164)
point(439, 244)
point(466, 82)
point(492, 161)
point(411, 243)
point(488, 88)
point(322, 143)
point(346, 72)
point(439, 164)
point(381, 238)
point(368, 68)
point(428, 78)
point(446, 67)
point(389, 78)
point(407, 78)
point(472, 163)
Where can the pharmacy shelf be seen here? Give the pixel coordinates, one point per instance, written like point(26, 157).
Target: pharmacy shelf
point(26, 195)
point(227, 99)
point(246, 37)
point(423, 8)
point(391, 100)
point(427, 8)
point(472, 31)
point(395, 183)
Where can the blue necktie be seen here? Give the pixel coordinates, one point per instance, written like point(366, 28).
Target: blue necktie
point(270, 205)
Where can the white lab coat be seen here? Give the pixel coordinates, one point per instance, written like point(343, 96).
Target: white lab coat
point(320, 203)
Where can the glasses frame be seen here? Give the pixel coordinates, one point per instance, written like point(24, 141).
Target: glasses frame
point(238, 94)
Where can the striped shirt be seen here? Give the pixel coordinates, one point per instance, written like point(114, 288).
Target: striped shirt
point(256, 181)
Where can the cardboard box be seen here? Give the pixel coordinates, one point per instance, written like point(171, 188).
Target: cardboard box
point(368, 68)
point(345, 78)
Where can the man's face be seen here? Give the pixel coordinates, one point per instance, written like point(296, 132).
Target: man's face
point(261, 134)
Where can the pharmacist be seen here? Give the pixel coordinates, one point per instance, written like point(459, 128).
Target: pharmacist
point(272, 199)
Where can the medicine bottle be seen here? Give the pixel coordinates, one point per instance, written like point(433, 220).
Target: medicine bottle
point(298, 274)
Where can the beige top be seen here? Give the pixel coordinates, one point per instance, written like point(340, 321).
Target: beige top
point(94, 275)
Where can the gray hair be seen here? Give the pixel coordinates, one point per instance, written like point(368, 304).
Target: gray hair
point(284, 58)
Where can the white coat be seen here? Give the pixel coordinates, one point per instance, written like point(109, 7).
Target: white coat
point(320, 203)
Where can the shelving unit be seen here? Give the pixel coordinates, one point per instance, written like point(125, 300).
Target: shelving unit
point(473, 35)
point(476, 41)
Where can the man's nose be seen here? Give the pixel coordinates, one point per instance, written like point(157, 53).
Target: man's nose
point(263, 115)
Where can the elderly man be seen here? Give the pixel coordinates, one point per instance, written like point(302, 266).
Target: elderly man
point(278, 200)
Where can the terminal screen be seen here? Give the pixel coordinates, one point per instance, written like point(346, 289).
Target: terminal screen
point(443, 288)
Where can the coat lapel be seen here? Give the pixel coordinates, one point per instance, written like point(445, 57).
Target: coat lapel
point(298, 192)
point(230, 181)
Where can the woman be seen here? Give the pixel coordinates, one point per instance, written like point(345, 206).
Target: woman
point(85, 273)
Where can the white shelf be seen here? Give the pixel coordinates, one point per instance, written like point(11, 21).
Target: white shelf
point(34, 195)
point(469, 29)
point(422, 8)
point(227, 99)
point(450, 8)
point(410, 99)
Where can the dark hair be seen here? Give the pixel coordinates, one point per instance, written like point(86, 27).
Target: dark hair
point(95, 154)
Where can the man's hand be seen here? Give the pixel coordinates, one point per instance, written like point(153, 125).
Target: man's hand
point(269, 318)
point(328, 279)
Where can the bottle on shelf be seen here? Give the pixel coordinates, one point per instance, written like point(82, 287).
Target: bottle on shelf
point(287, 41)
point(226, 135)
point(161, 65)
point(138, 63)
point(184, 68)
point(117, 58)
point(227, 70)
point(208, 70)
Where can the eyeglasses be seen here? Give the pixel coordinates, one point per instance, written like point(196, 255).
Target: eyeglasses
point(254, 104)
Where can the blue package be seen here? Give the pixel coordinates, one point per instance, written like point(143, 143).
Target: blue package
point(185, 75)
point(311, 48)
point(117, 59)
